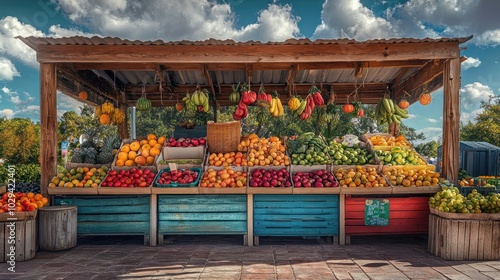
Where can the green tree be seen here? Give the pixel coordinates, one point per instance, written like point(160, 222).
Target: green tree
point(20, 142)
point(486, 127)
point(428, 149)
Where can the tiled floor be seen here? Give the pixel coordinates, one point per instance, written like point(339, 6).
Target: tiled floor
point(223, 257)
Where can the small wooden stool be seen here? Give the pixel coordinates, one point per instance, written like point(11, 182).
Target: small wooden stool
point(57, 227)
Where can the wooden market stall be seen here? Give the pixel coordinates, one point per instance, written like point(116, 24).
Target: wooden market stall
point(119, 70)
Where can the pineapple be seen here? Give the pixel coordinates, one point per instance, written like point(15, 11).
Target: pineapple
point(90, 155)
point(77, 156)
point(91, 134)
point(106, 155)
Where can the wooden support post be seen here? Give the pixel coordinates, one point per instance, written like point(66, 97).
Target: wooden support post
point(451, 119)
point(48, 124)
point(153, 220)
point(123, 128)
point(342, 240)
point(250, 219)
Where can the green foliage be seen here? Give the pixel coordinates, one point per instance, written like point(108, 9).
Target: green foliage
point(23, 173)
point(428, 149)
point(20, 141)
point(487, 124)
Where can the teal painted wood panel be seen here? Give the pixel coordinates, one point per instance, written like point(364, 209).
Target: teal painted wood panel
point(296, 215)
point(111, 214)
point(236, 216)
point(90, 228)
point(130, 209)
point(202, 214)
point(202, 208)
point(205, 227)
point(114, 218)
point(105, 201)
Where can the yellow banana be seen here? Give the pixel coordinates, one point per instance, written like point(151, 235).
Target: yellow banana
point(280, 107)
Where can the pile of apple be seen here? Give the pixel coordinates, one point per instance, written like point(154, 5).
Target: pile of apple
point(270, 178)
point(129, 178)
point(185, 142)
point(179, 176)
point(314, 179)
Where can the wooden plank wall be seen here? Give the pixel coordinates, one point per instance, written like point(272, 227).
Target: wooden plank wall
point(25, 245)
point(464, 239)
point(407, 215)
point(202, 214)
point(296, 215)
point(111, 214)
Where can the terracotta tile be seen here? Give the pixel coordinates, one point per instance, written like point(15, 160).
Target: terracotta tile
point(260, 276)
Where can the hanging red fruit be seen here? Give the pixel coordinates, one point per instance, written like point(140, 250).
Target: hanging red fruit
point(403, 104)
point(348, 108)
point(425, 98)
point(179, 106)
point(361, 112)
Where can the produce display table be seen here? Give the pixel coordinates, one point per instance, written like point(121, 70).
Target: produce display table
point(112, 214)
point(202, 214)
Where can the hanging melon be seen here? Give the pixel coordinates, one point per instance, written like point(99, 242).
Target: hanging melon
point(425, 98)
point(83, 95)
point(105, 119)
point(143, 103)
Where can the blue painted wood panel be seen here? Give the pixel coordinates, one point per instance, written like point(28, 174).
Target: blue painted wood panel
point(110, 215)
point(296, 215)
point(202, 214)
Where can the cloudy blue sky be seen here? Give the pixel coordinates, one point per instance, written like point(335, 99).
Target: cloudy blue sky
point(242, 20)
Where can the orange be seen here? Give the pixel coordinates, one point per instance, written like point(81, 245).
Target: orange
point(145, 153)
point(129, 162)
point(152, 142)
point(140, 160)
point(150, 160)
point(123, 156)
point(151, 136)
point(125, 148)
point(161, 140)
point(30, 195)
point(154, 151)
point(132, 155)
point(120, 162)
point(144, 142)
point(158, 146)
point(38, 197)
point(39, 204)
point(135, 146)
point(145, 147)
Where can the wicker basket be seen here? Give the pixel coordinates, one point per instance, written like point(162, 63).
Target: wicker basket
point(223, 137)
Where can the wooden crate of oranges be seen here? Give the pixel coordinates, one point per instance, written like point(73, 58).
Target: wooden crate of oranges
point(141, 152)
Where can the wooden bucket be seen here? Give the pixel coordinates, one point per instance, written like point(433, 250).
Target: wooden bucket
point(24, 234)
point(223, 137)
point(58, 227)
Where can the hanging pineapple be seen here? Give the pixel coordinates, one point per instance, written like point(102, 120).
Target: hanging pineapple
point(107, 108)
point(118, 116)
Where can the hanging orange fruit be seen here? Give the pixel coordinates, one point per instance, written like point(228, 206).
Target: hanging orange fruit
point(348, 108)
point(404, 104)
point(425, 98)
point(83, 95)
point(179, 106)
point(105, 119)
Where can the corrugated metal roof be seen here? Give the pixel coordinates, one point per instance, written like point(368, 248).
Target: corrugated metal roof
point(79, 40)
point(471, 145)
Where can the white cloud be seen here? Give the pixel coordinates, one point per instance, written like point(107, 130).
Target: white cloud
point(7, 69)
point(6, 90)
point(66, 103)
point(411, 116)
point(10, 27)
point(18, 101)
point(471, 95)
point(465, 117)
point(431, 120)
point(31, 110)
point(430, 133)
point(471, 62)
point(349, 18)
point(8, 113)
point(192, 19)
point(58, 32)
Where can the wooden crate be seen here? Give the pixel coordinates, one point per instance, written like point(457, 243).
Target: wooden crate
point(25, 237)
point(295, 215)
point(465, 236)
point(110, 215)
point(202, 214)
point(407, 215)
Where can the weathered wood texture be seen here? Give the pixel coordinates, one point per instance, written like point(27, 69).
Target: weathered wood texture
point(451, 119)
point(58, 230)
point(24, 234)
point(296, 215)
point(202, 214)
point(407, 215)
point(466, 239)
point(48, 124)
point(110, 215)
point(244, 53)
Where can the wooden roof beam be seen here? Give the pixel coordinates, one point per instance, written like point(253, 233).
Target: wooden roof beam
point(208, 79)
point(424, 75)
point(71, 89)
point(291, 78)
point(246, 53)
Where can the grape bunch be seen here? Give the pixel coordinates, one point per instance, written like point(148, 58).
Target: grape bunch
point(27, 187)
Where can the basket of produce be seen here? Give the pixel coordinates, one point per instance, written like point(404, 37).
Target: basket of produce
point(308, 149)
point(180, 178)
point(223, 137)
point(358, 154)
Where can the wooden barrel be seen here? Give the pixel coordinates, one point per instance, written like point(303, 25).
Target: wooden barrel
point(57, 228)
point(17, 241)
